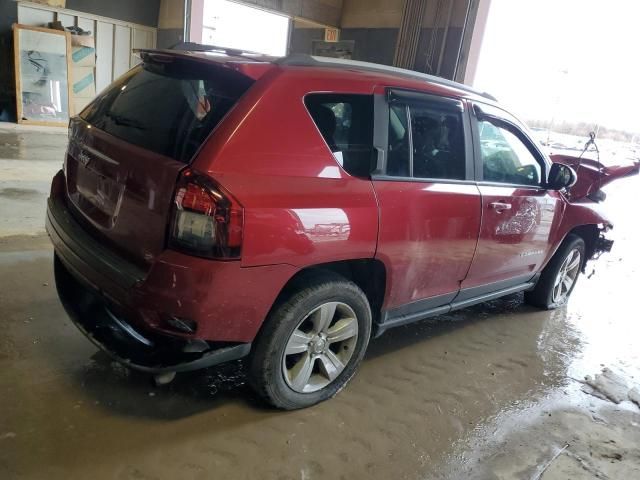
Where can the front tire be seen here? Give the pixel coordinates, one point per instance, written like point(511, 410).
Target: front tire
point(559, 277)
point(311, 343)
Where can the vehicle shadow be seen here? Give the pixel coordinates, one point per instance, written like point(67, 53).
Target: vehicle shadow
point(132, 393)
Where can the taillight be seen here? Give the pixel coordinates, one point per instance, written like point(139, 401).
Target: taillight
point(207, 221)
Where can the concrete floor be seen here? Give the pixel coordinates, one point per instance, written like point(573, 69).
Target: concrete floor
point(29, 156)
point(494, 391)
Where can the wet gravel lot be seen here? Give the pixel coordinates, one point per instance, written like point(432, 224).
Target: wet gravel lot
point(494, 391)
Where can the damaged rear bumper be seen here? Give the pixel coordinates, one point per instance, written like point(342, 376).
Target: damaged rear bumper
point(145, 351)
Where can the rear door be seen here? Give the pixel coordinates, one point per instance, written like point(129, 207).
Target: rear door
point(128, 146)
point(429, 203)
point(518, 212)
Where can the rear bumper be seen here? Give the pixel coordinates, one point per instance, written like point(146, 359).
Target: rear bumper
point(86, 256)
point(104, 325)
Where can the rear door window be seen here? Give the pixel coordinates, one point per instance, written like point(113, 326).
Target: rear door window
point(169, 108)
point(346, 124)
point(426, 141)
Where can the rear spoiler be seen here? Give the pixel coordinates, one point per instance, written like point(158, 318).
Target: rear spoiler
point(253, 67)
point(200, 47)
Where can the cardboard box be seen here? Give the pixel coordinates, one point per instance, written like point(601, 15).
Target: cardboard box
point(83, 82)
point(83, 73)
point(83, 50)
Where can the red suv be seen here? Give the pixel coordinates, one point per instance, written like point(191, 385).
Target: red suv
point(219, 205)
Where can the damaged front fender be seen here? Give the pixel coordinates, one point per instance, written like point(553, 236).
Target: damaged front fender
point(602, 245)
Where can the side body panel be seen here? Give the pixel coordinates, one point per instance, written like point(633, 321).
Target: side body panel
point(428, 234)
point(301, 207)
point(228, 302)
point(513, 242)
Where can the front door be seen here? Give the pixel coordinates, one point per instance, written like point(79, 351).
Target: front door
point(518, 212)
point(429, 203)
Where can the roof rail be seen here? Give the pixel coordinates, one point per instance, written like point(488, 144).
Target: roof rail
point(300, 59)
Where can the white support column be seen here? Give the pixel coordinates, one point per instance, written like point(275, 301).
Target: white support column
point(196, 15)
point(474, 46)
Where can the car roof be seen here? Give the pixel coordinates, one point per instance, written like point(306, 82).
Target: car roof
point(344, 64)
point(256, 64)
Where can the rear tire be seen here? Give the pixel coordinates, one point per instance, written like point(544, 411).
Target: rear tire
point(311, 345)
point(559, 277)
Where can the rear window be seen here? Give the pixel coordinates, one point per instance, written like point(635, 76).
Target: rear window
point(169, 108)
point(346, 124)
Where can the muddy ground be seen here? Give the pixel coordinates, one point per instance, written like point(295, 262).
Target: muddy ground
point(491, 392)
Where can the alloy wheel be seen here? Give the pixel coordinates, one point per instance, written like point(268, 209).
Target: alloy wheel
point(320, 347)
point(567, 276)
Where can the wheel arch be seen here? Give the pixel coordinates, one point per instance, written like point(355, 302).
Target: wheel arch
point(589, 233)
point(369, 274)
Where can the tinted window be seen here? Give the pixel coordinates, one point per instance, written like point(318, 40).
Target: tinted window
point(438, 143)
point(435, 143)
point(168, 108)
point(398, 157)
point(505, 158)
point(346, 124)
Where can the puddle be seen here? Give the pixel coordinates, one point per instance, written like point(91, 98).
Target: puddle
point(19, 193)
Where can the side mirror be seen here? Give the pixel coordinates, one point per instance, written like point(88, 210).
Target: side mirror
point(561, 176)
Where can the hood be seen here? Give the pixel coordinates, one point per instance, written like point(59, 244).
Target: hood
point(593, 175)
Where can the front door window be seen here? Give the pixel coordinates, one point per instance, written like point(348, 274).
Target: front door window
point(505, 159)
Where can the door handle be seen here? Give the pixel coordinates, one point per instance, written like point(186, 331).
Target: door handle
point(500, 207)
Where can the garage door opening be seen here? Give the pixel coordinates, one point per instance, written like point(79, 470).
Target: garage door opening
point(571, 82)
point(232, 25)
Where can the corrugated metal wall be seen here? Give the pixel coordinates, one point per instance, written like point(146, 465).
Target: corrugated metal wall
point(409, 33)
